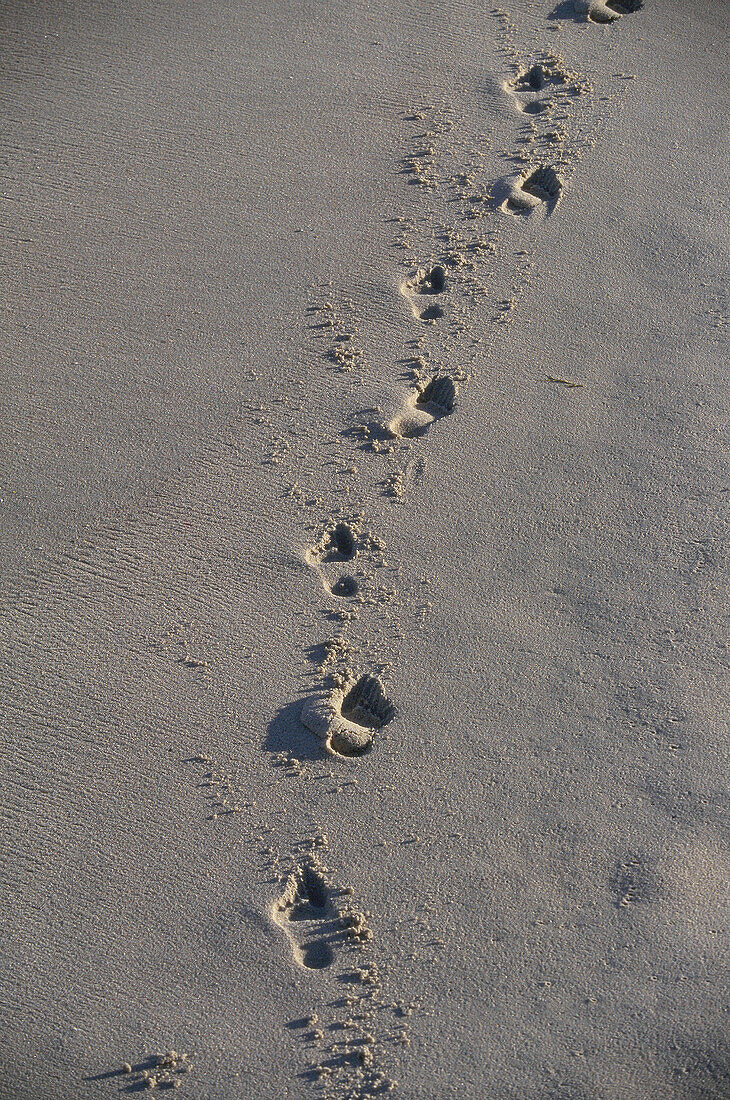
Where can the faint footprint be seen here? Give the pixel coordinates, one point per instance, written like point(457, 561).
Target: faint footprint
point(632, 882)
point(606, 11)
point(543, 186)
point(431, 401)
point(306, 914)
point(528, 85)
point(426, 281)
point(347, 718)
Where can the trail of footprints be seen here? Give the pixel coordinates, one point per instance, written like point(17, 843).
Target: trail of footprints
point(346, 715)
point(352, 708)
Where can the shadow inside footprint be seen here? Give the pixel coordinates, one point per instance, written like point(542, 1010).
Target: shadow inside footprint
point(544, 183)
point(339, 544)
point(605, 11)
point(366, 704)
point(311, 897)
point(430, 281)
point(530, 81)
point(439, 395)
point(345, 587)
point(535, 78)
point(316, 955)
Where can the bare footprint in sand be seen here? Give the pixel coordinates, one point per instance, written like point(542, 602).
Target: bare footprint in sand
point(431, 401)
point(426, 282)
point(541, 187)
point(528, 89)
point(606, 11)
point(338, 543)
point(347, 718)
point(306, 914)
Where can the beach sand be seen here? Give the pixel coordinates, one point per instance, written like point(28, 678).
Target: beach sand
point(364, 563)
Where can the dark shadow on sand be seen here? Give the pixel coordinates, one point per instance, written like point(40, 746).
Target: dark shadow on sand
point(566, 10)
point(133, 1080)
point(285, 733)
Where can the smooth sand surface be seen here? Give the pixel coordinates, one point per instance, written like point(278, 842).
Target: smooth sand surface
point(229, 495)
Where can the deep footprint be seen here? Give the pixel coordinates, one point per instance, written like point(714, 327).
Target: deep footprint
point(544, 183)
point(607, 11)
point(306, 914)
point(543, 186)
point(535, 78)
point(433, 401)
point(430, 281)
point(347, 718)
point(625, 7)
point(337, 544)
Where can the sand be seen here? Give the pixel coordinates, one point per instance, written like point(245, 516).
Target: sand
point(365, 364)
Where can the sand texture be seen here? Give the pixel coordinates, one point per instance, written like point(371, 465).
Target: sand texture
point(365, 488)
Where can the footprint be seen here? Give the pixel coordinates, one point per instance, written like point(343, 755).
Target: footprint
point(435, 399)
point(632, 882)
point(606, 11)
point(536, 77)
point(306, 914)
point(543, 186)
point(338, 543)
point(348, 717)
point(345, 587)
point(426, 281)
point(527, 85)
